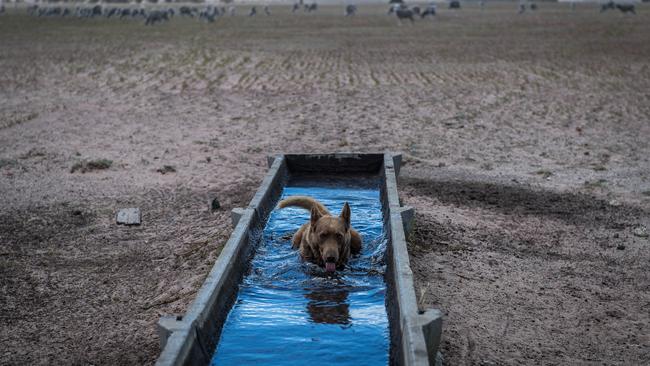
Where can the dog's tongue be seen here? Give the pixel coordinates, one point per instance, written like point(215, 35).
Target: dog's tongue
point(330, 267)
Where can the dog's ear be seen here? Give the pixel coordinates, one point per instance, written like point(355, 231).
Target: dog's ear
point(345, 215)
point(315, 216)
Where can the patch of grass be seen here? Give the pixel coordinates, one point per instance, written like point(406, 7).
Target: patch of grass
point(646, 193)
point(7, 162)
point(600, 183)
point(16, 119)
point(457, 247)
point(599, 168)
point(34, 153)
point(544, 173)
point(487, 166)
point(166, 169)
point(92, 165)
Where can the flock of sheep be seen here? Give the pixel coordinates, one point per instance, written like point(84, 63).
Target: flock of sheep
point(209, 13)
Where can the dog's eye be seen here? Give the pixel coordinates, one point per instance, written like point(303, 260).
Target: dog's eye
point(339, 236)
point(322, 235)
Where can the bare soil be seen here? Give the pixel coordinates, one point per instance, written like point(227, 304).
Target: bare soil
point(526, 157)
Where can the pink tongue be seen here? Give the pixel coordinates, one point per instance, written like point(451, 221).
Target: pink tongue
point(330, 267)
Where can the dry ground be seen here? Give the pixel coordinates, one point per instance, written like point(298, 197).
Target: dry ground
point(525, 138)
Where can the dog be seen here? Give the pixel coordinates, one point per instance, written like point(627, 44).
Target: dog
point(325, 240)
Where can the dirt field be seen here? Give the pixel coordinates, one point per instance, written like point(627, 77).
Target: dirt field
point(526, 143)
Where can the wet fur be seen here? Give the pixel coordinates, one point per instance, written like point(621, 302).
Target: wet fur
point(324, 236)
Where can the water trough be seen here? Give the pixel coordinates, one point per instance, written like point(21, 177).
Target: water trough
point(219, 327)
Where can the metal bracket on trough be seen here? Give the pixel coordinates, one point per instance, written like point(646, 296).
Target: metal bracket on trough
point(167, 325)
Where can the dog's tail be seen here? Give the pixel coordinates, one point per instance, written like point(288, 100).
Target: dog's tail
point(304, 202)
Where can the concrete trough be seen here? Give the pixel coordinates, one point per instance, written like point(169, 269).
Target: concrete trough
point(414, 333)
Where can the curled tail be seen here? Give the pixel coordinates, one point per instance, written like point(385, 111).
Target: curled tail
point(304, 202)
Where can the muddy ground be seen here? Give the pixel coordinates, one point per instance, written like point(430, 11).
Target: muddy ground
point(525, 141)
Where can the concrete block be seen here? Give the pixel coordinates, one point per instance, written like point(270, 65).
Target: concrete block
point(408, 219)
point(166, 326)
point(397, 163)
point(270, 159)
point(235, 215)
point(431, 323)
point(440, 360)
point(128, 216)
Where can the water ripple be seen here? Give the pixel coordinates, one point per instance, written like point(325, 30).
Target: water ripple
point(289, 312)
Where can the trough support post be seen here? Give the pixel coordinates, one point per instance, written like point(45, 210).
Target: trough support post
point(236, 214)
point(397, 163)
point(167, 325)
point(270, 159)
point(431, 323)
point(408, 218)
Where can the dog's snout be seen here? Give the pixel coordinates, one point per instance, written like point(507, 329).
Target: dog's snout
point(330, 252)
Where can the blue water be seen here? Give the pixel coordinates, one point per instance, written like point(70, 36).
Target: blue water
point(290, 312)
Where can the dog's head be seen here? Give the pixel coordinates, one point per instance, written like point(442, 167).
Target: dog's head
point(329, 237)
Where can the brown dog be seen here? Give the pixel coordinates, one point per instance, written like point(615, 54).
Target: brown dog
point(325, 240)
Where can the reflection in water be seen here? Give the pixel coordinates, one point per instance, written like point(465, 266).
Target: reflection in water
point(290, 312)
point(328, 306)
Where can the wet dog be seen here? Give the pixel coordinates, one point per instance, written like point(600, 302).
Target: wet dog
point(325, 240)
